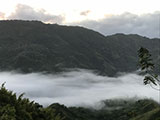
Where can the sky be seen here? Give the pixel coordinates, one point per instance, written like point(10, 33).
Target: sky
point(105, 16)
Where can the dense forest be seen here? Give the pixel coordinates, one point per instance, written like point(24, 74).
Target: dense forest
point(13, 107)
point(32, 46)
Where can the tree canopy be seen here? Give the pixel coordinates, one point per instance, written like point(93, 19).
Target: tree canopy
point(13, 107)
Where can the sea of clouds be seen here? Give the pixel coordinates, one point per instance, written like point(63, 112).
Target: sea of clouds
point(76, 88)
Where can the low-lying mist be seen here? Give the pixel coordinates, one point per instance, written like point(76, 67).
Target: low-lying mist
point(76, 88)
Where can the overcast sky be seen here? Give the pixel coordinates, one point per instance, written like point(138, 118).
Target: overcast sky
point(105, 16)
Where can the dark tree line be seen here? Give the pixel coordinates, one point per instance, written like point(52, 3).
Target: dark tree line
point(13, 107)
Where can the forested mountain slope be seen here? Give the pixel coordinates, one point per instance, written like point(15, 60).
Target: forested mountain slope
point(32, 46)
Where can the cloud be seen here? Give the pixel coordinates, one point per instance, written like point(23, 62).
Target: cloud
point(2, 16)
point(85, 13)
point(25, 12)
point(145, 24)
point(76, 88)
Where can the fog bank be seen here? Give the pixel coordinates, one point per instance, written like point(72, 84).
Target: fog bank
point(76, 88)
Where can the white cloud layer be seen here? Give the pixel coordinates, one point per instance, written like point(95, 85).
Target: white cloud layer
point(76, 88)
point(25, 12)
point(145, 24)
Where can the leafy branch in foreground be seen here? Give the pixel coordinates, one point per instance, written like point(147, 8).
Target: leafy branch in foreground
point(146, 65)
point(13, 107)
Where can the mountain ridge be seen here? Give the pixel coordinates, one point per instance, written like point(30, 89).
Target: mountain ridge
point(32, 46)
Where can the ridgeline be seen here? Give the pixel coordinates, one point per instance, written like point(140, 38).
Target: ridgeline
point(32, 46)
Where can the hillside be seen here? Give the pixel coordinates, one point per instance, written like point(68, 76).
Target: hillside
point(32, 46)
point(13, 107)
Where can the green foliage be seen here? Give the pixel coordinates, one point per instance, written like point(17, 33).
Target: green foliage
point(31, 46)
point(147, 66)
point(18, 108)
point(145, 60)
point(115, 110)
point(7, 113)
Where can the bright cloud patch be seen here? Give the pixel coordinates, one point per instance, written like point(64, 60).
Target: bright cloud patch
point(2, 16)
point(145, 25)
point(25, 12)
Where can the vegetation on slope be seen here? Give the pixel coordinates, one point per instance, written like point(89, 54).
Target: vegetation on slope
point(13, 107)
point(32, 46)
